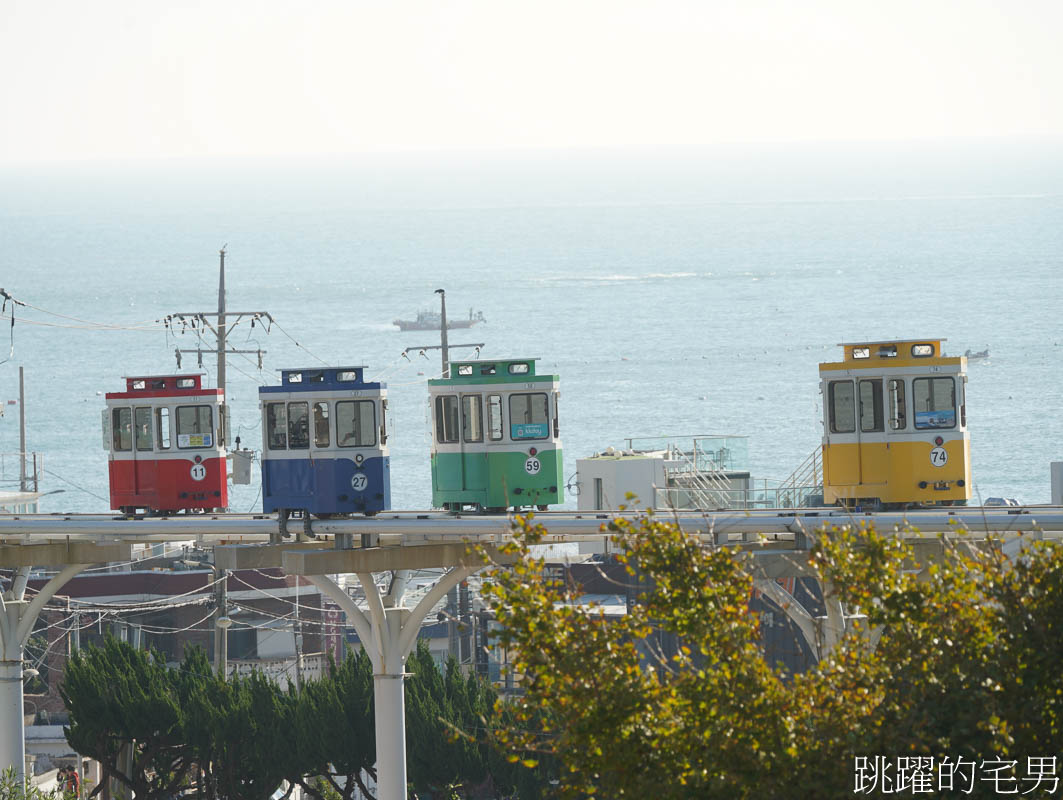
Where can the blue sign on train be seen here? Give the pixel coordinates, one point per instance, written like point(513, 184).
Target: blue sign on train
point(529, 430)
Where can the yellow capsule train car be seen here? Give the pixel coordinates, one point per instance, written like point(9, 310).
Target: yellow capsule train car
point(895, 426)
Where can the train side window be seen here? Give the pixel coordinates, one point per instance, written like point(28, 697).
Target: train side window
point(494, 417)
point(842, 407)
point(557, 429)
point(140, 384)
point(529, 416)
point(887, 351)
point(277, 426)
point(298, 426)
point(488, 369)
point(922, 350)
point(295, 377)
point(317, 377)
point(355, 423)
point(447, 419)
point(383, 421)
point(121, 429)
point(472, 418)
point(162, 427)
point(898, 415)
point(935, 402)
point(518, 369)
point(321, 437)
point(186, 383)
point(871, 405)
point(347, 376)
point(465, 369)
point(861, 352)
point(195, 427)
point(142, 421)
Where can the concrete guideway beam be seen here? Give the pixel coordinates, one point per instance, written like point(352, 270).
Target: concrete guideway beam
point(259, 556)
point(562, 526)
point(63, 552)
point(387, 559)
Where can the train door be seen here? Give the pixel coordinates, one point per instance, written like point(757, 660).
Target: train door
point(145, 466)
point(449, 474)
point(474, 471)
point(841, 451)
point(321, 460)
point(871, 434)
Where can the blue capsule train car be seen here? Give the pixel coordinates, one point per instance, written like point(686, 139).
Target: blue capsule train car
point(324, 443)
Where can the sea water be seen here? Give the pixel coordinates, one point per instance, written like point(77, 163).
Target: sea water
point(675, 293)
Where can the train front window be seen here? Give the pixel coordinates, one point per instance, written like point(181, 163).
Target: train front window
point(447, 419)
point(195, 427)
point(472, 418)
point(162, 428)
point(935, 402)
point(298, 426)
point(529, 416)
point(321, 437)
point(277, 426)
point(121, 429)
point(871, 405)
point(898, 415)
point(142, 422)
point(494, 417)
point(355, 423)
point(842, 401)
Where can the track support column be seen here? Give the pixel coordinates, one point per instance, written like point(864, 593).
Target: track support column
point(12, 725)
point(17, 618)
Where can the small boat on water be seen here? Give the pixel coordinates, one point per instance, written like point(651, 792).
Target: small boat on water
point(971, 355)
point(432, 321)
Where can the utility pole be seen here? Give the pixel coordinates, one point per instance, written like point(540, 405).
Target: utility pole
point(221, 621)
point(443, 332)
point(22, 486)
point(443, 346)
point(221, 330)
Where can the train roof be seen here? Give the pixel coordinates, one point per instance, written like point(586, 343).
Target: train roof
point(495, 370)
point(899, 352)
point(163, 386)
point(316, 379)
point(873, 342)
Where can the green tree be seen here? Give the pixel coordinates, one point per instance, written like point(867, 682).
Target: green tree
point(126, 714)
point(241, 735)
point(963, 667)
point(332, 733)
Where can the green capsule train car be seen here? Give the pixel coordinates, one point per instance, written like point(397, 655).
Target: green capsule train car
point(495, 438)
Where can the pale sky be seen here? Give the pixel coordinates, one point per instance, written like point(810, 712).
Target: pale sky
point(146, 79)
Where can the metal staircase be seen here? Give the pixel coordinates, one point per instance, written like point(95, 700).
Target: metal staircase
point(695, 480)
point(803, 484)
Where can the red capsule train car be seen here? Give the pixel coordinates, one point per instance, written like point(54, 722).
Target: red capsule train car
point(166, 446)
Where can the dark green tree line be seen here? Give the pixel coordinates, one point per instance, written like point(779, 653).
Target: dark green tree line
point(158, 730)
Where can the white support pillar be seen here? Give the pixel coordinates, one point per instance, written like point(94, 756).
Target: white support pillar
point(17, 617)
point(12, 725)
point(388, 634)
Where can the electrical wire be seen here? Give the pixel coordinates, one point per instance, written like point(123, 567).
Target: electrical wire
point(79, 488)
point(301, 347)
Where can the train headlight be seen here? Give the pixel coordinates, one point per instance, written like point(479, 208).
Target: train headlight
point(939, 441)
point(532, 451)
point(199, 459)
point(922, 484)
